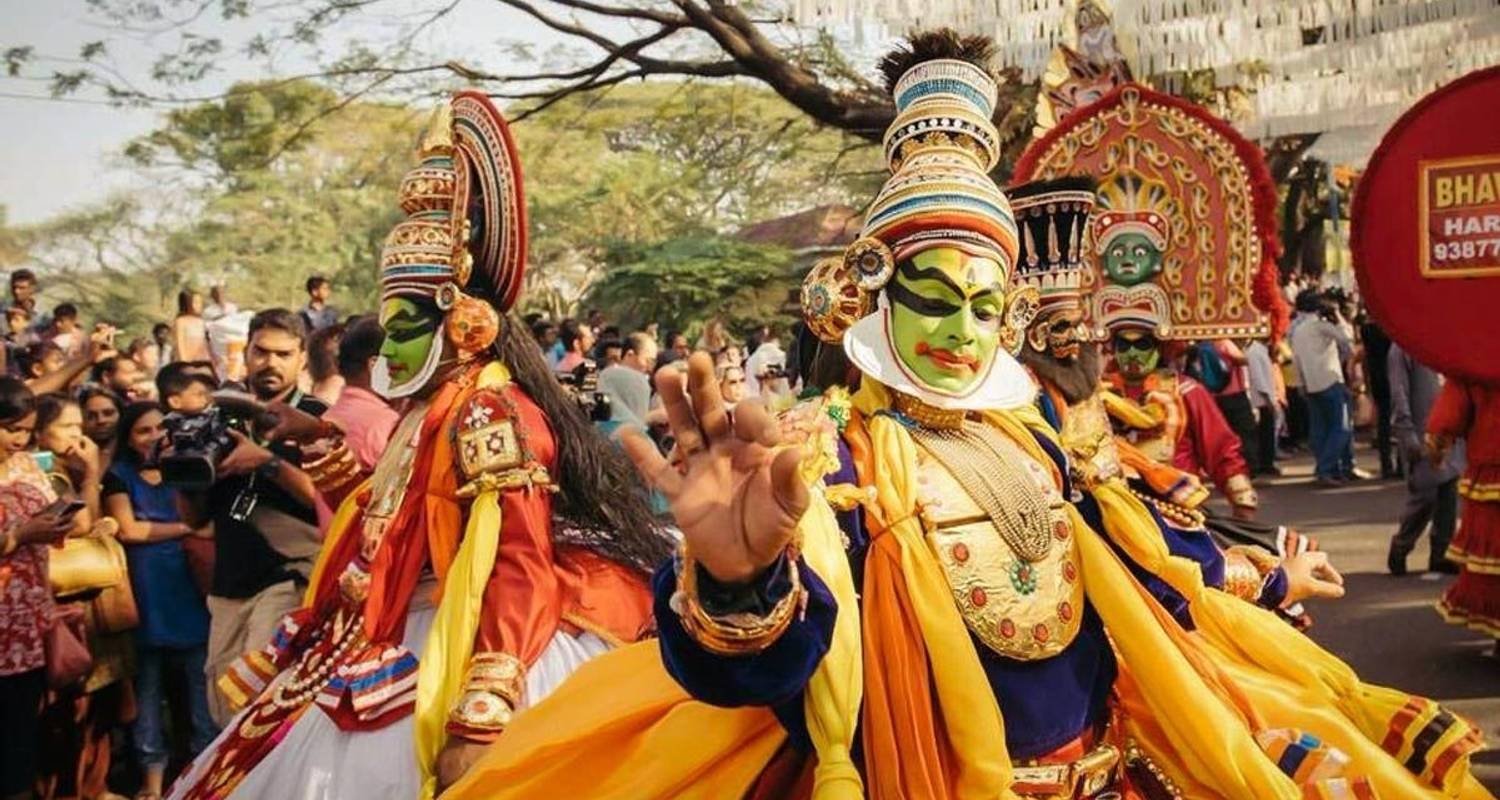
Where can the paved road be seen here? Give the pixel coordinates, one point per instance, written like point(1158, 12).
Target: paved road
point(1385, 626)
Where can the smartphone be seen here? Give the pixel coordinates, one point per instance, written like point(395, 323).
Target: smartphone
point(65, 507)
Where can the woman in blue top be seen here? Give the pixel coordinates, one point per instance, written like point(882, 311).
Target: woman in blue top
point(174, 619)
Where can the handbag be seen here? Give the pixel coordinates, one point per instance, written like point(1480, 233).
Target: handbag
point(88, 563)
point(68, 657)
point(115, 610)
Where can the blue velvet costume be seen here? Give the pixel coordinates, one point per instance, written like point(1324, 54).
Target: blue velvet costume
point(1047, 702)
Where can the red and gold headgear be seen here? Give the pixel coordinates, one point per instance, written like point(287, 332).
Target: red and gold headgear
point(1192, 185)
point(462, 246)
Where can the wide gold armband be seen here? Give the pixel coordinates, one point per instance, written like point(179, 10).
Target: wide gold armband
point(527, 477)
point(734, 634)
point(1245, 571)
point(493, 688)
point(1241, 493)
point(335, 471)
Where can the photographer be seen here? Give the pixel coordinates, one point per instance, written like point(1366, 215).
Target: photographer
point(261, 503)
point(1321, 342)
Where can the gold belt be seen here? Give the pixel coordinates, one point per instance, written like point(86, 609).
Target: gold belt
point(1090, 776)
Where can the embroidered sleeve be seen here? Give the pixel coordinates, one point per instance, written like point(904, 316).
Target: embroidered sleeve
point(498, 436)
point(491, 448)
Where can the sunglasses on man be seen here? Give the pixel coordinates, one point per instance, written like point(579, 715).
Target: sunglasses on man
point(1144, 343)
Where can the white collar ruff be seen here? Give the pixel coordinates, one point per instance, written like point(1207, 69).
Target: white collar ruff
point(868, 345)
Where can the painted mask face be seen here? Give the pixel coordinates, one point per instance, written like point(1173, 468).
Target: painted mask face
point(1131, 258)
point(1058, 333)
point(946, 316)
point(1136, 354)
point(410, 334)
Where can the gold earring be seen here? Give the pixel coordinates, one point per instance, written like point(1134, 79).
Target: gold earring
point(1022, 308)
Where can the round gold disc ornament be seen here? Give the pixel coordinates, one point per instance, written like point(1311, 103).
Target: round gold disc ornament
point(872, 263)
point(832, 299)
point(1021, 308)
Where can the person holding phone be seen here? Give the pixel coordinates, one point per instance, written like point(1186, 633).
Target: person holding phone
point(77, 720)
point(28, 525)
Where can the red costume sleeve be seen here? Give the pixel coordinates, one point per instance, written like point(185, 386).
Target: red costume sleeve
point(1208, 445)
point(1452, 413)
point(505, 442)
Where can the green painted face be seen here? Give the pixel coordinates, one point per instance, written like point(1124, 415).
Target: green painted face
point(1137, 354)
point(410, 335)
point(1131, 258)
point(946, 316)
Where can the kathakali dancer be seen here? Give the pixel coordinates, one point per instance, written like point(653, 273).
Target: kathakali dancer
point(1063, 356)
point(906, 605)
point(498, 545)
point(1184, 241)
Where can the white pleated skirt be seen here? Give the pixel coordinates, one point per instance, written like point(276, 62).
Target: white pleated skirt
point(318, 761)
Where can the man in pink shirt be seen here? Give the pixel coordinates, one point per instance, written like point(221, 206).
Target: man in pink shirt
point(365, 417)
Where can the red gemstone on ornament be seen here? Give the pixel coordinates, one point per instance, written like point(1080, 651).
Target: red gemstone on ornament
point(1007, 629)
point(1041, 634)
point(1070, 572)
point(1065, 611)
point(978, 597)
point(1060, 530)
point(960, 553)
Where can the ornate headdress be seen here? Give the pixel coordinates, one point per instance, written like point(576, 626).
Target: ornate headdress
point(940, 148)
point(462, 246)
point(1197, 190)
point(1053, 217)
point(1129, 203)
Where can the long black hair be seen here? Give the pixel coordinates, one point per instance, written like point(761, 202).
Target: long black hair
point(16, 399)
point(603, 497)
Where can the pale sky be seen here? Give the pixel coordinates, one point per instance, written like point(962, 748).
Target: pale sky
point(60, 154)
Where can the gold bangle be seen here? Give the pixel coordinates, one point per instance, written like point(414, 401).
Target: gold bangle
point(740, 633)
point(481, 710)
point(333, 471)
point(11, 543)
point(1241, 492)
point(1245, 571)
point(498, 673)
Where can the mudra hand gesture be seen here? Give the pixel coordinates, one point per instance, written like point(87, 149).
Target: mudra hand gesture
point(737, 495)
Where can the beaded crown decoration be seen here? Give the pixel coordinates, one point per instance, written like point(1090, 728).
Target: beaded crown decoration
point(1053, 218)
point(1129, 203)
point(940, 148)
point(465, 229)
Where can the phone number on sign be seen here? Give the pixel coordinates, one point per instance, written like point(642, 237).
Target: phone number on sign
point(1480, 248)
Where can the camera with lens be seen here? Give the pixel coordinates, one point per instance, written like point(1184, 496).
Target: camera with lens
point(193, 447)
point(773, 371)
point(582, 383)
point(195, 442)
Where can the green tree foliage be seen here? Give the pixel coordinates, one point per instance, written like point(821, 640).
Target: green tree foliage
point(683, 280)
point(647, 164)
point(108, 259)
point(265, 187)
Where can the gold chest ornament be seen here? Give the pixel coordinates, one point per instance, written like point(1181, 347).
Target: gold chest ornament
point(1000, 530)
point(392, 477)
